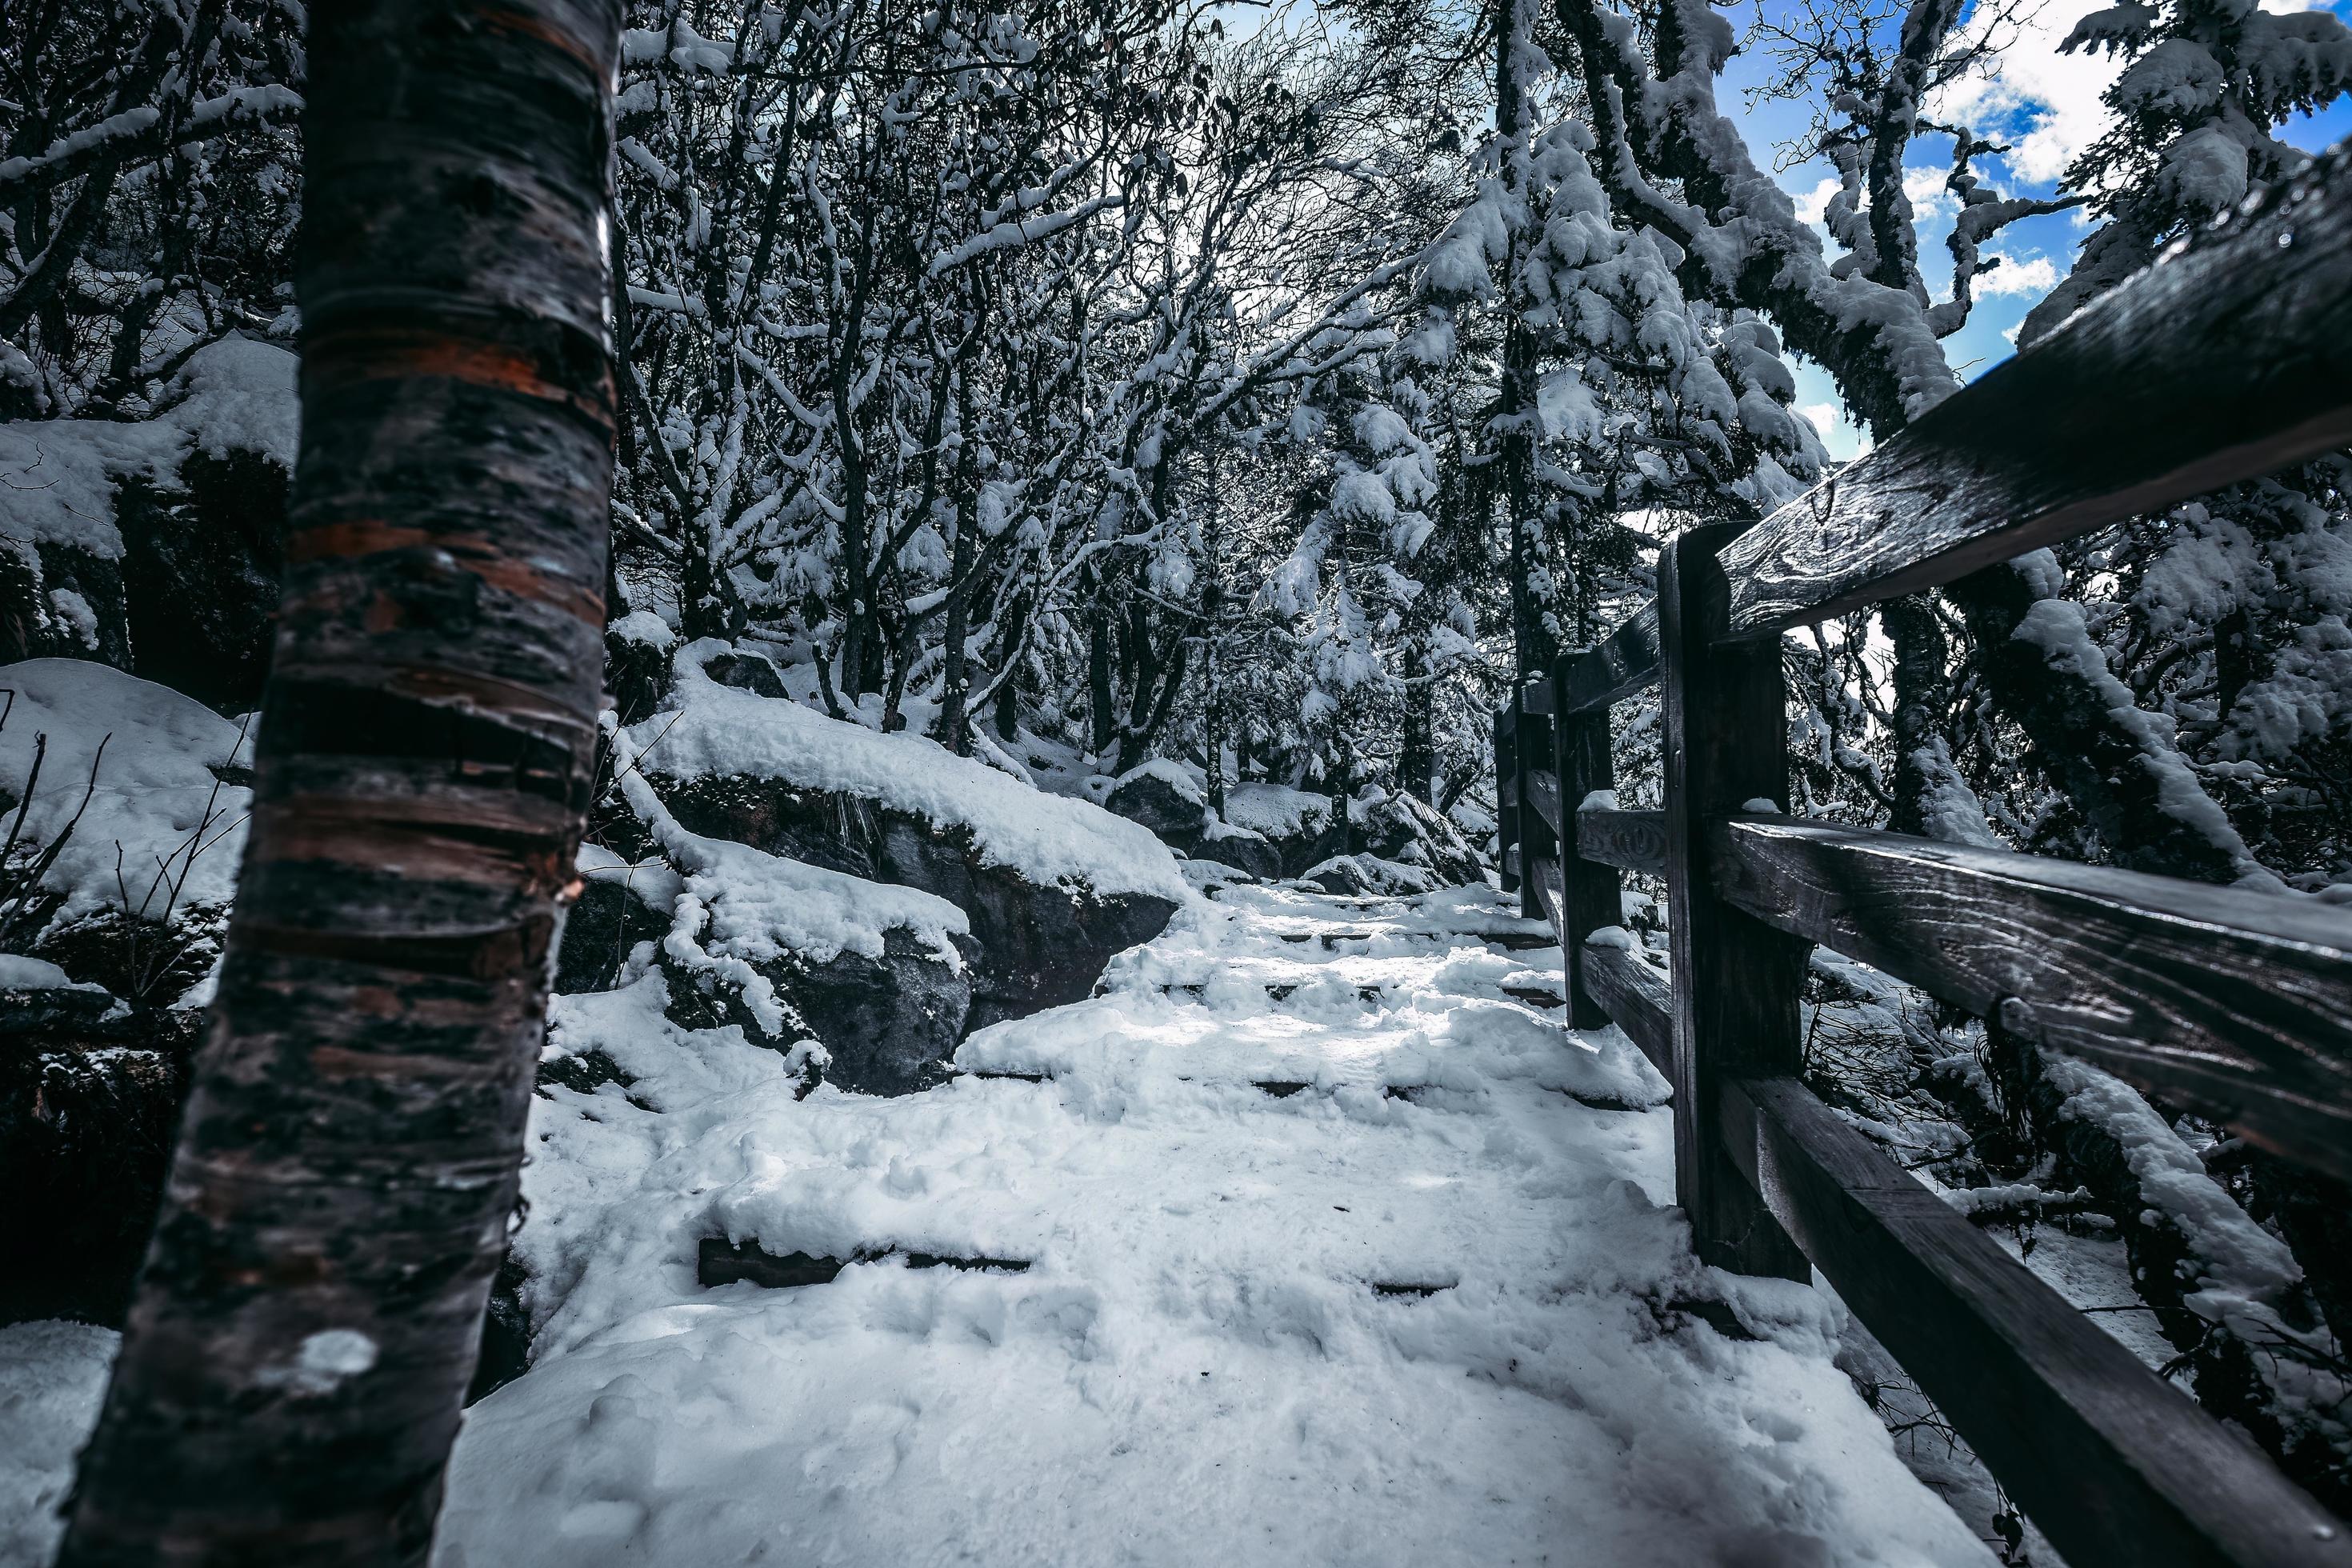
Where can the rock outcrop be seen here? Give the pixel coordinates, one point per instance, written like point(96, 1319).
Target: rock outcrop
point(887, 1025)
point(1047, 889)
point(156, 545)
point(1269, 831)
point(1037, 944)
point(1163, 798)
point(202, 560)
point(89, 1096)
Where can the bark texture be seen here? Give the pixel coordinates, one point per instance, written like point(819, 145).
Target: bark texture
point(1923, 702)
point(308, 1318)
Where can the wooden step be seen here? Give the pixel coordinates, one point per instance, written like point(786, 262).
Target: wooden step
point(721, 1262)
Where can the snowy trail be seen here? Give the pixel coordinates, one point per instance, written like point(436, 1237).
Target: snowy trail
point(1340, 1252)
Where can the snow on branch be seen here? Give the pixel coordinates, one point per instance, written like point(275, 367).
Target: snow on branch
point(1016, 232)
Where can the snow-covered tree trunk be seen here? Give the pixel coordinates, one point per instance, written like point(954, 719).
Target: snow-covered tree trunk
point(2113, 761)
point(302, 1335)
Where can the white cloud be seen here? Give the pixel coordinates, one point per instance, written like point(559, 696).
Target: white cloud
point(1930, 200)
point(1824, 415)
point(2033, 275)
point(1814, 204)
point(2046, 102)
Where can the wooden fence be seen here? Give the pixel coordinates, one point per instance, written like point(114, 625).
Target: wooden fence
point(2221, 364)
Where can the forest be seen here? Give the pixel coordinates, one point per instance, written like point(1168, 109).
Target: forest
point(837, 781)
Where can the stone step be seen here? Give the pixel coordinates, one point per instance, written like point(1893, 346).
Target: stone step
point(721, 1262)
point(1276, 991)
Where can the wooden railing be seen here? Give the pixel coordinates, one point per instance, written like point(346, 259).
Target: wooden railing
point(2221, 364)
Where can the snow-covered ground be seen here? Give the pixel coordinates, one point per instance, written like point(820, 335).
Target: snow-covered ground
point(1341, 1250)
point(1426, 1309)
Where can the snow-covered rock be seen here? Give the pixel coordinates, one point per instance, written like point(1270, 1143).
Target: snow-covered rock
point(636, 663)
point(1288, 817)
point(623, 905)
point(1407, 831)
point(1162, 796)
point(154, 796)
point(886, 1024)
point(1393, 828)
point(1269, 830)
point(155, 544)
point(122, 924)
point(1368, 874)
point(1046, 888)
point(867, 983)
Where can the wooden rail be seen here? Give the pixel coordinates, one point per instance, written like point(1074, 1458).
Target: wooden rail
point(1619, 665)
point(2227, 363)
point(1629, 840)
point(2220, 364)
point(2237, 1005)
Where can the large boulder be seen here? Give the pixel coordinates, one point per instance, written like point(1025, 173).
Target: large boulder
point(622, 904)
point(1036, 945)
point(887, 1022)
point(1162, 797)
point(1049, 888)
point(748, 672)
point(1293, 822)
point(1361, 874)
point(1400, 829)
point(1411, 832)
point(791, 953)
point(869, 981)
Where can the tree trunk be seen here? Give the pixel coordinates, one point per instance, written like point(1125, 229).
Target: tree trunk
point(304, 1332)
point(1212, 727)
point(702, 607)
point(1342, 783)
point(1213, 652)
point(1098, 692)
point(1531, 646)
point(1008, 694)
point(2139, 794)
point(1923, 702)
point(1161, 683)
point(2236, 660)
point(954, 732)
point(1417, 748)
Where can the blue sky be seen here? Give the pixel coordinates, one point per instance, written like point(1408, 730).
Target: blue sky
point(2047, 106)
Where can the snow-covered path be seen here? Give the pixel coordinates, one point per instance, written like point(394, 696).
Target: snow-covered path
point(1340, 1252)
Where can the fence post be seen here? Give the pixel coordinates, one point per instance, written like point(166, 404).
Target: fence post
point(1591, 894)
point(1531, 750)
point(1507, 783)
point(1736, 980)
